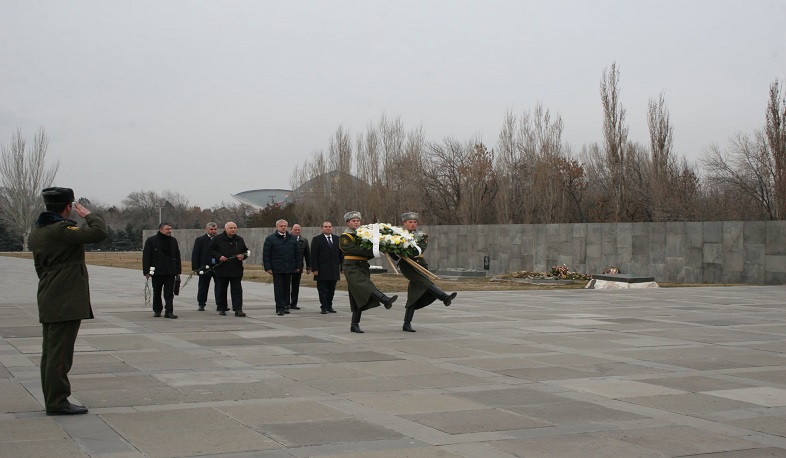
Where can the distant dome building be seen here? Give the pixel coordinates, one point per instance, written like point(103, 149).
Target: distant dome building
point(320, 185)
point(262, 198)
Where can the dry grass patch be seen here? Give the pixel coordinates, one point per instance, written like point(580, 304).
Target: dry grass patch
point(385, 282)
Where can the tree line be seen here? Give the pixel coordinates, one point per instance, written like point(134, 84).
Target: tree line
point(531, 175)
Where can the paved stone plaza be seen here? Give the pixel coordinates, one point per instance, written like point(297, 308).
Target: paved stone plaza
point(669, 372)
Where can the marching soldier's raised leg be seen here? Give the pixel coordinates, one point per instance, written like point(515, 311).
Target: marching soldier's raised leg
point(384, 300)
point(442, 295)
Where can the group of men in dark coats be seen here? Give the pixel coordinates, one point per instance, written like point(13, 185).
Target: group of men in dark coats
point(215, 256)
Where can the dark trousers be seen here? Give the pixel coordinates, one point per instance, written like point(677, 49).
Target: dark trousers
point(204, 287)
point(235, 287)
point(165, 283)
point(281, 284)
point(326, 290)
point(295, 290)
point(57, 356)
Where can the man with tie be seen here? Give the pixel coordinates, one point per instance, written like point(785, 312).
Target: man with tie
point(304, 254)
point(201, 261)
point(326, 260)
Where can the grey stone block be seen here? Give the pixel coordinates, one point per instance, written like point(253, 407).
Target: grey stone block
point(754, 232)
point(675, 245)
point(694, 235)
point(754, 253)
point(775, 263)
point(693, 275)
point(776, 237)
point(713, 232)
point(674, 268)
point(713, 253)
point(694, 257)
point(675, 228)
point(753, 274)
point(713, 273)
point(624, 234)
point(732, 235)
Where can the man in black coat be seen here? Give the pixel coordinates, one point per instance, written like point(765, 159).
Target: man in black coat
point(304, 254)
point(201, 261)
point(229, 250)
point(279, 257)
point(161, 260)
point(326, 258)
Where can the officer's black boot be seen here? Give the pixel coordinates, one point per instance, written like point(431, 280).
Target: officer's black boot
point(384, 300)
point(442, 295)
point(355, 326)
point(408, 319)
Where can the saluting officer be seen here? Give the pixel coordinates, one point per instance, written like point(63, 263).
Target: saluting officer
point(58, 250)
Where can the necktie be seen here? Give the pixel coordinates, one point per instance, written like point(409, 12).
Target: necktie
point(330, 242)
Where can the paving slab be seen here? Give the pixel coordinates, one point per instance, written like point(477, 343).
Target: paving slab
point(664, 372)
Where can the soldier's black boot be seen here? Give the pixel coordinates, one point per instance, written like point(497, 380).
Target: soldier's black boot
point(408, 319)
point(355, 326)
point(442, 295)
point(384, 300)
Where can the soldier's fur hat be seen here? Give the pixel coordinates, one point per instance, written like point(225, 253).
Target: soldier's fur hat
point(58, 195)
point(409, 215)
point(349, 215)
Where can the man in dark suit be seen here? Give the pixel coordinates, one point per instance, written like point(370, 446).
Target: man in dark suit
point(326, 258)
point(304, 254)
point(201, 261)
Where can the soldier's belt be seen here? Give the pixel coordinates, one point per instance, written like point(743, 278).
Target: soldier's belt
point(355, 258)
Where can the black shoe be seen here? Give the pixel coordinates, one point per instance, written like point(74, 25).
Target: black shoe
point(294, 307)
point(324, 312)
point(222, 312)
point(330, 310)
point(156, 314)
point(355, 328)
point(170, 315)
point(449, 299)
point(407, 327)
point(286, 311)
point(240, 313)
point(71, 409)
point(280, 313)
point(389, 302)
point(201, 308)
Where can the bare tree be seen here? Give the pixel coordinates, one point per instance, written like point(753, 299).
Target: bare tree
point(615, 133)
point(775, 130)
point(746, 166)
point(661, 138)
point(24, 174)
point(460, 182)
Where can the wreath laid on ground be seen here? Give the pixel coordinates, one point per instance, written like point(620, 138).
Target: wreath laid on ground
point(560, 272)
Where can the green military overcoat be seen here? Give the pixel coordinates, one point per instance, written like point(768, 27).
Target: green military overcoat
point(59, 257)
point(418, 294)
point(357, 273)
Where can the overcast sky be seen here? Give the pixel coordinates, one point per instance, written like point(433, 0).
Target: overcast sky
point(209, 99)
